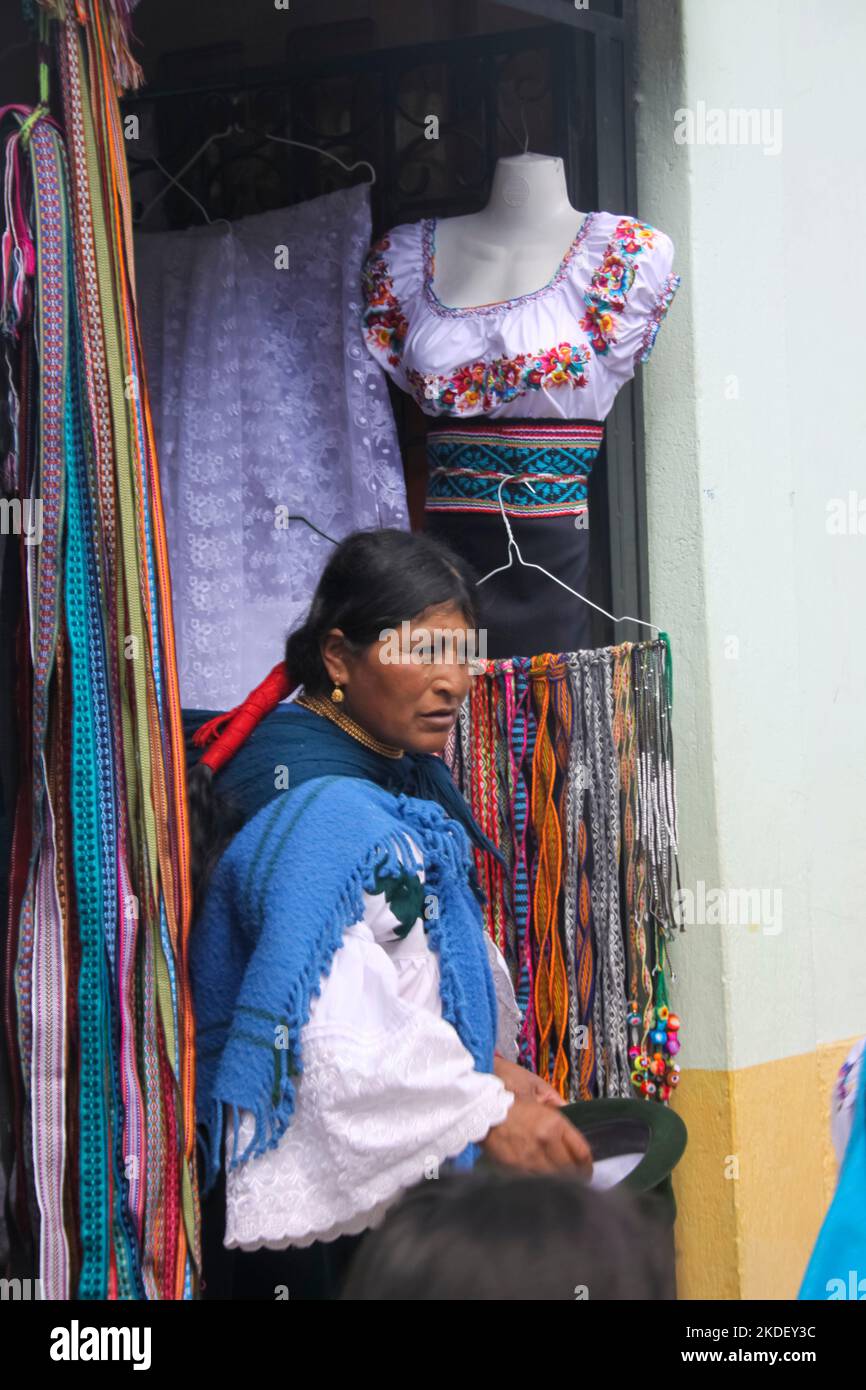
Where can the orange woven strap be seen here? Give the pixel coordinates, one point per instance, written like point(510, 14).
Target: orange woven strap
point(479, 788)
point(495, 825)
point(581, 1051)
point(551, 981)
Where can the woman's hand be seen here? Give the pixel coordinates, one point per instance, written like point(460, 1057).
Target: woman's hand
point(535, 1138)
point(523, 1084)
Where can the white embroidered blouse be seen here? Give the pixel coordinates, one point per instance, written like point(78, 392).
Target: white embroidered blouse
point(388, 1091)
point(561, 351)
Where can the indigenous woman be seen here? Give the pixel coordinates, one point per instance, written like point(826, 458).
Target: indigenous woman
point(356, 1026)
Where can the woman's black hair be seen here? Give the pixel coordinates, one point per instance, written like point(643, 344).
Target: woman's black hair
point(502, 1235)
point(374, 580)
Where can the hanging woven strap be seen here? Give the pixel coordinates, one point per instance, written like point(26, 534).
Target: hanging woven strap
point(656, 817)
point(577, 935)
point(551, 986)
point(43, 570)
point(624, 729)
point(562, 731)
point(39, 963)
point(522, 745)
point(501, 678)
point(610, 1018)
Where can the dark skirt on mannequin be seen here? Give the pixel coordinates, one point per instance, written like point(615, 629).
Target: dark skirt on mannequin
point(523, 612)
point(536, 471)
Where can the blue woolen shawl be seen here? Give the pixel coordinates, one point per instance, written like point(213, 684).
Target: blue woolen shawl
point(284, 892)
point(307, 745)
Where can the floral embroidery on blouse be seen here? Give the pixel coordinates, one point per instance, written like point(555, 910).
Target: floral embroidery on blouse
point(611, 281)
point(653, 323)
point(483, 385)
point(385, 323)
point(598, 322)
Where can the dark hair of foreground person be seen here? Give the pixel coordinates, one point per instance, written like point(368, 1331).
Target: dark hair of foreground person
point(498, 1235)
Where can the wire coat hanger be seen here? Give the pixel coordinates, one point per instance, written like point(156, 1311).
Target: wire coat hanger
point(235, 129)
point(317, 149)
point(297, 516)
point(174, 179)
point(530, 565)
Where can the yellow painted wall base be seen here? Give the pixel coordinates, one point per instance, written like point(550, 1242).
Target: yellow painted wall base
point(757, 1176)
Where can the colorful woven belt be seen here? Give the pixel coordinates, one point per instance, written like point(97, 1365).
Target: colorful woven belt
point(97, 1008)
point(540, 469)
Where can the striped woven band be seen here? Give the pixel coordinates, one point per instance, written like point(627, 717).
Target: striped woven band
point(546, 467)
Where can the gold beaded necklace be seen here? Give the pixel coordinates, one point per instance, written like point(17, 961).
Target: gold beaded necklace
point(326, 708)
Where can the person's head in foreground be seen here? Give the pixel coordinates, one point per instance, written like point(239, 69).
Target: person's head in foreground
point(504, 1235)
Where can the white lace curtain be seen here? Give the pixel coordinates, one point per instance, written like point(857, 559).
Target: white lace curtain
point(265, 403)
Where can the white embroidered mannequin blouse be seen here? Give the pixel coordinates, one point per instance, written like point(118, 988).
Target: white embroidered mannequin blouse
point(388, 1092)
point(563, 350)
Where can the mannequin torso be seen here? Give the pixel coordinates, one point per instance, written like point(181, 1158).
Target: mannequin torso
point(516, 244)
point(515, 328)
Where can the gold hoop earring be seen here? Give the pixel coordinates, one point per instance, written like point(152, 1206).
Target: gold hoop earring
point(337, 695)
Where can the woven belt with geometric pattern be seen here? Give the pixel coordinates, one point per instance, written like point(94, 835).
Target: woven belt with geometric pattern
point(546, 466)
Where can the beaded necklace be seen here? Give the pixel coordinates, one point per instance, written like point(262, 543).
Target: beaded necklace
point(321, 706)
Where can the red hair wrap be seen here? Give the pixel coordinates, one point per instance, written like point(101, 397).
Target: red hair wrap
point(227, 732)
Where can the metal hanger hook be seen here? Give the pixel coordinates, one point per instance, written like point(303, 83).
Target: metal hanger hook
point(530, 565)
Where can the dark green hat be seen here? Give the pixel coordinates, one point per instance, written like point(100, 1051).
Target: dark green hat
point(614, 1127)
